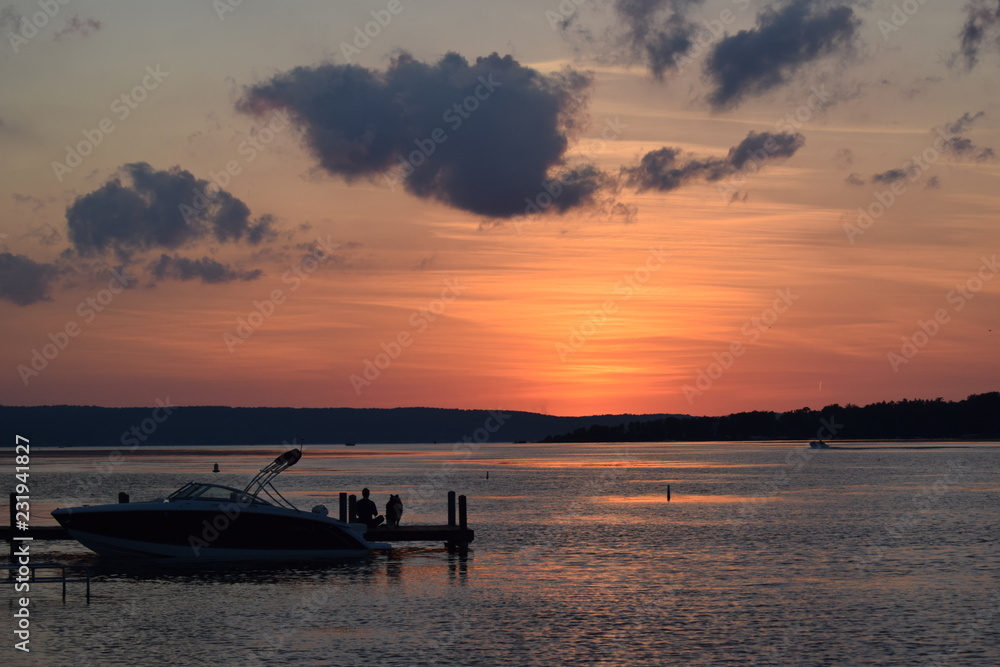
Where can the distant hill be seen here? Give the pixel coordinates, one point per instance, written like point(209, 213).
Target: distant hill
point(976, 417)
point(66, 425)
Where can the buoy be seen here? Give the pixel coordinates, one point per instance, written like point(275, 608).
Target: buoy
point(668, 493)
point(216, 468)
point(487, 474)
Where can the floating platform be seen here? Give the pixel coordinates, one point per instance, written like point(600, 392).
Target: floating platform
point(456, 534)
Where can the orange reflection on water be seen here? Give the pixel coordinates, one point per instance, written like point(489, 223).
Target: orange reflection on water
point(563, 463)
point(656, 498)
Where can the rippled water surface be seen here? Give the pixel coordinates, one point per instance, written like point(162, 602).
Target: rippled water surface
point(766, 553)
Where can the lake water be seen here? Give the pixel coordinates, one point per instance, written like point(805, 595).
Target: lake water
point(766, 553)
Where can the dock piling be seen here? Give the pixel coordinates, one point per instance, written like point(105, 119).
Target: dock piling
point(451, 508)
point(352, 512)
point(343, 506)
point(463, 516)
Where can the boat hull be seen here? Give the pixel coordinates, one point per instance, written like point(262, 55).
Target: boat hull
point(201, 531)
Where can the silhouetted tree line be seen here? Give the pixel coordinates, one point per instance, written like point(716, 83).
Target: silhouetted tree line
point(976, 417)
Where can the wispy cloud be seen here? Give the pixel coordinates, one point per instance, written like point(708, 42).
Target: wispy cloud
point(668, 168)
point(74, 26)
point(206, 269)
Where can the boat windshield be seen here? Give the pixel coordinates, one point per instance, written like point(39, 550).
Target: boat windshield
point(214, 492)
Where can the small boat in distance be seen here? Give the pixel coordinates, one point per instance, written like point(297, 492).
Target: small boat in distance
point(212, 522)
point(819, 444)
point(350, 443)
point(216, 468)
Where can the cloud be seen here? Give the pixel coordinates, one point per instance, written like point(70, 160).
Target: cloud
point(74, 26)
point(933, 183)
point(481, 137)
point(206, 268)
point(895, 175)
point(143, 208)
point(980, 30)
point(668, 168)
point(35, 202)
point(754, 61)
point(24, 281)
point(963, 148)
point(844, 158)
point(10, 18)
point(963, 123)
point(657, 32)
point(854, 179)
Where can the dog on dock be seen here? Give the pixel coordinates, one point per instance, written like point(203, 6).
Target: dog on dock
point(393, 511)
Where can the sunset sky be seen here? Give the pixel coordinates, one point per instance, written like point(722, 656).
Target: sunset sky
point(576, 207)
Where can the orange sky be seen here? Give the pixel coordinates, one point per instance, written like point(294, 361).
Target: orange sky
point(575, 314)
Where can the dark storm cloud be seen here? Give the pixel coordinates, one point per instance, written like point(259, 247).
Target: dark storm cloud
point(980, 30)
point(24, 281)
point(206, 268)
point(668, 168)
point(754, 61)
point(482, 137)
point(144, 208)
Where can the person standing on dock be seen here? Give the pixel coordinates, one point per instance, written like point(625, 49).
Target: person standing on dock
point(367, 511)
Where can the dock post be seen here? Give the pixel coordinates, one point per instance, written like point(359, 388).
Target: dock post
point(122, 498)
point(343, 506)
point(352, 513)
point(668, 493)
point(463, 517)
point(451, 508)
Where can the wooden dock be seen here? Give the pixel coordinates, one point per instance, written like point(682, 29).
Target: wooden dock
point(456, 534)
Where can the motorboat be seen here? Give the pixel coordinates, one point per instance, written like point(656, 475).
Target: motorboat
point(203, 522)
point(819, 444)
